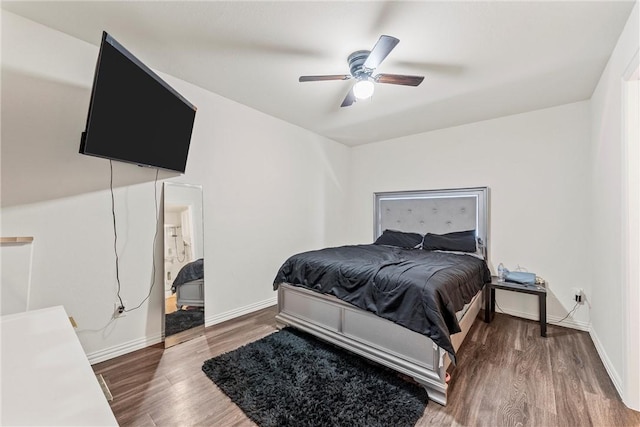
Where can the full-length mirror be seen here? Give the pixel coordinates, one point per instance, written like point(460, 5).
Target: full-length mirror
point(183, 262)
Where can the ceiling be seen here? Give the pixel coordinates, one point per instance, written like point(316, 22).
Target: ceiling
point(480, 60)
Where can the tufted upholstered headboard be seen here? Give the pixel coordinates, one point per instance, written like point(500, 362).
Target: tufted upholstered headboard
point(434, 211)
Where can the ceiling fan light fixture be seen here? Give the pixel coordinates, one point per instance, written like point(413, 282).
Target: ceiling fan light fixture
point(363, 89)
point(362, 64)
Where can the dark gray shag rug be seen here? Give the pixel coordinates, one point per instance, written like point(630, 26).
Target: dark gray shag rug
point(182, 320)
point(289, 378)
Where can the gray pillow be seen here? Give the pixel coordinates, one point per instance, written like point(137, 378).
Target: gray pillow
point(400, 239)
point(460, 241)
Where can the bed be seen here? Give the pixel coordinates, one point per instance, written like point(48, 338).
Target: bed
point(189, 285)
point(332, 305)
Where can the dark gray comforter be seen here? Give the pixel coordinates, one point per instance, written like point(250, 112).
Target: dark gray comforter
point(420, 290)
point(191, 271)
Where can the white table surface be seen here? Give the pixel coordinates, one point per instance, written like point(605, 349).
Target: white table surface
point(46, 377)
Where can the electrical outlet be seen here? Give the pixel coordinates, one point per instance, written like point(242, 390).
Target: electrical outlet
point(118, 309)
point(578, 295)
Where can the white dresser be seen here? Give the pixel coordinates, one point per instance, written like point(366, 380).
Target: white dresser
point(45, 375)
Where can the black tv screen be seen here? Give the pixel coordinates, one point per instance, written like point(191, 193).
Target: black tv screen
point(135, 116)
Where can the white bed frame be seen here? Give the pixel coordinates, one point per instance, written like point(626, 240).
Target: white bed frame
point(378, 339)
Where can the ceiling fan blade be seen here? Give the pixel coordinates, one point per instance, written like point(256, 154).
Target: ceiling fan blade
point(380, 51)
point(399, 79)
point(349, 99)
point(323, 78)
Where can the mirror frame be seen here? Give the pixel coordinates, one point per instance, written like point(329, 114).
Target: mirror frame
point(194, 297)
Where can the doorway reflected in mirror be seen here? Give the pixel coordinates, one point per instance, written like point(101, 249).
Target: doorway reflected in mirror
point(183, 262)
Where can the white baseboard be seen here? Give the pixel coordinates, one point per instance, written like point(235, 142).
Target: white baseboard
point(615, 378)
point(124, 348)
point(232, 314)
point(568, 322)
point(140, 343)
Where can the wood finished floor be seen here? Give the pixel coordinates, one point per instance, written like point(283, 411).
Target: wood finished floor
point(507, 376)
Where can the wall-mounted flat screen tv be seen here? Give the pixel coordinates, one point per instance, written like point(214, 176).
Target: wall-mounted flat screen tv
point(134, 115)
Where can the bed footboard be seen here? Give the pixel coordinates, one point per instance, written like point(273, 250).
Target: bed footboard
point(191, 294)
point(365, 334)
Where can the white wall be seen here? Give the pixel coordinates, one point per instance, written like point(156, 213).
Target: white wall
point(16, 268)
point(609, 181)
point(270, 189)
point(536, 166)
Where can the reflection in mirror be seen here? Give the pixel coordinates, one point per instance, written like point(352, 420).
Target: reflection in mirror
point(183, 262)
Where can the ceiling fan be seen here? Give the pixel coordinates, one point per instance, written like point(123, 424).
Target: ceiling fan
point(362, 64)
